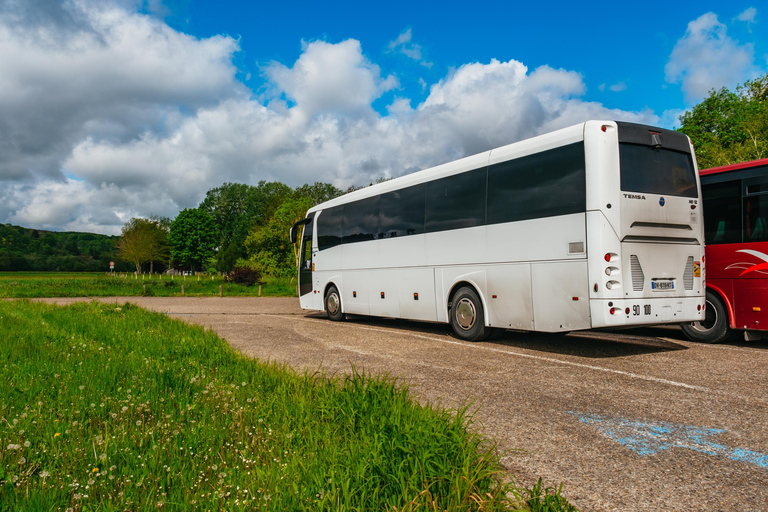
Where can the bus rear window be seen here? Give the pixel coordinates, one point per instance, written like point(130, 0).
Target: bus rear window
point(656, 171)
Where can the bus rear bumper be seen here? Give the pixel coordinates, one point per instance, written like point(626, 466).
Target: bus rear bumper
point(646, 311)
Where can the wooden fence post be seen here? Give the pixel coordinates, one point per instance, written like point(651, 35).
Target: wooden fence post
point(182, 290)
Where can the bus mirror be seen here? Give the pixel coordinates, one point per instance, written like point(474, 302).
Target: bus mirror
point(295, 228)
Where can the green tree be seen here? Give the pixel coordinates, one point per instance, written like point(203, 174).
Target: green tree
point(269, 248)
point(159, 248)
point(729, 127)
point(318, 192)
point(192, 238)
point(135, 241)
point(236, 208)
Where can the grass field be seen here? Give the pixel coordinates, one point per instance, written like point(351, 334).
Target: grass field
point(115, 408)
point(58, 284)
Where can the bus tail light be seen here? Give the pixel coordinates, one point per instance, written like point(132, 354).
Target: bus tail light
point(613, 311)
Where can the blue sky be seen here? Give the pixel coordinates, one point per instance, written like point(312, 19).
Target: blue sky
point(113, 109)
point(620, 48)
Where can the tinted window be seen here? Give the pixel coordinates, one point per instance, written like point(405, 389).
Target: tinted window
point(722, 212)
point(456, 201)
point(329, 228)
point(656, 171)
point(541, 185)
point(401, 212)
point(361, 220)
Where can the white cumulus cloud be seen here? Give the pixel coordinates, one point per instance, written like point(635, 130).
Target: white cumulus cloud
point(707, 58)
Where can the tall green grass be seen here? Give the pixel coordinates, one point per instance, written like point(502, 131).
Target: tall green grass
point(113, 408)
point(17, 285)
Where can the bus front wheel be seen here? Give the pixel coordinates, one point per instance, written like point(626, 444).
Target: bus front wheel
point(468, 317)
point(715, 326)
point(333, 304)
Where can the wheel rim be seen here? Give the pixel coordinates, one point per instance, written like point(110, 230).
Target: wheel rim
point(332, 304)
point(465, 314)
point(710, 319)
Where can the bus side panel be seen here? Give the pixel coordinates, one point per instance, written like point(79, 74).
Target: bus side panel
point(354, 295)
point(406, 251)
point(327, 262)
point(417, 294)
point(457, 247)
point(560, 296)
point(383, 291)
point(751, 308)
point(549, 238)
point(360, 255)
point(510, 302)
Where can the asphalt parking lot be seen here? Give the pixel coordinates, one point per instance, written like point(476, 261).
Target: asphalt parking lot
point(635, 420)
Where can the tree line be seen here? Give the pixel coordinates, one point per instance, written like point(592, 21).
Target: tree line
point(24, 249)
point(236, 225)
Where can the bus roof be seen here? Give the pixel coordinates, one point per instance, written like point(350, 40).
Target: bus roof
point(734, 167)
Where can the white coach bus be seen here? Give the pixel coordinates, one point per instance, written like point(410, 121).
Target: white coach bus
point(596, 225)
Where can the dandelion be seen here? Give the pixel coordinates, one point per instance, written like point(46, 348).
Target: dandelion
point(22, 460)
point(95, 470)
point(27, 444)
point(138, 423)
point(44, 475)
point(13, 447)
point(103, 456)
point(56, 435)
point(81, 388)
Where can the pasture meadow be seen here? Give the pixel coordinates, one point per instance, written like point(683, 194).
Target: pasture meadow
point(61, 284)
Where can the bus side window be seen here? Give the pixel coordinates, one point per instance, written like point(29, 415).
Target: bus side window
point(722, 212)
point(755, 210)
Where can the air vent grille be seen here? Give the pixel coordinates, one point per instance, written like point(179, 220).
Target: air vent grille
point(638, 278)
point(688, 274)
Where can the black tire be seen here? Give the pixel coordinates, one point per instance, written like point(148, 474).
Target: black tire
point(333, 304)
point(715, 327)
point(468, 317)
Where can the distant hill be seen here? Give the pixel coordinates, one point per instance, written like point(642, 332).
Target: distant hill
point(23, 249)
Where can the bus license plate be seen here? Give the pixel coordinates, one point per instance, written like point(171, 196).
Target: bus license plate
point(662, 285)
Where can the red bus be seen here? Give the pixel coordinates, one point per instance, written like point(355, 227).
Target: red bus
point(735, 207)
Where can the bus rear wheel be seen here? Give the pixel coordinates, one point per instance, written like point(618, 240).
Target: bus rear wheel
point(468, 317)
point(333, 304)
point(715, 326)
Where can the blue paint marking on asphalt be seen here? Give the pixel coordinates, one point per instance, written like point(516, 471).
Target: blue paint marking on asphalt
point(648, 438)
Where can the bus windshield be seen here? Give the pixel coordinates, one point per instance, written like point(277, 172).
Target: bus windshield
point(656, 171)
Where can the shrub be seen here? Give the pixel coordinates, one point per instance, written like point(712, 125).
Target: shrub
point(245, 275)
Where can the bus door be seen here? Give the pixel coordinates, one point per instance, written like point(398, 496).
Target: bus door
point(306, 264)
